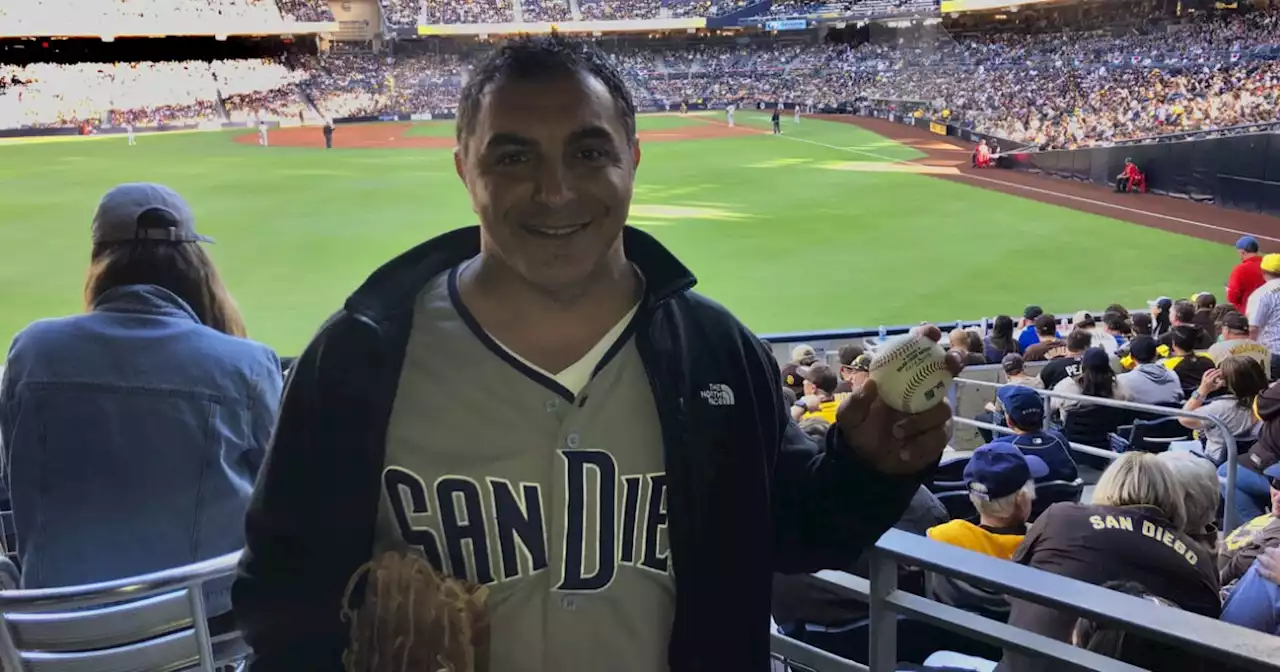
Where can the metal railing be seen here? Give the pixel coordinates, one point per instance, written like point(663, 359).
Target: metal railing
point(1222, 642)
point(1229, 515)
point(190, 577)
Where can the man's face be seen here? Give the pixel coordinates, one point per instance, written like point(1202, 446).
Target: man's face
point(810, 388)
point(549, 168)
point(1275, 498)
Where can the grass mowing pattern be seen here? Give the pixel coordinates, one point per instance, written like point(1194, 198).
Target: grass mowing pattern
point(771, 226)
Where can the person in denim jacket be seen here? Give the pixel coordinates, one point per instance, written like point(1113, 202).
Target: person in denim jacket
point(133, 433)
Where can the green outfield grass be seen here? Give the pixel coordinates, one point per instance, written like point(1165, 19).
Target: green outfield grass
point(779, 229)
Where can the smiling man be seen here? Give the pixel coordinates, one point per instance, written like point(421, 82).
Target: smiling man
point(529, 446)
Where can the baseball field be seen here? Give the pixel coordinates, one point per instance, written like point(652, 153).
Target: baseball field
point(830, 225)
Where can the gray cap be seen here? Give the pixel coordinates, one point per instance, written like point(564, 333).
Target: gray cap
point(145, 211)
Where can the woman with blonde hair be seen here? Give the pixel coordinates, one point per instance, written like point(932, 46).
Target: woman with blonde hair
point(134, 431)
point(1132, 531)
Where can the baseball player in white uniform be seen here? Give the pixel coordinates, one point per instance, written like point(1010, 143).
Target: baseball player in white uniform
point(797, 112)
point(728, 111)
point(262, 133)
point(128, 127)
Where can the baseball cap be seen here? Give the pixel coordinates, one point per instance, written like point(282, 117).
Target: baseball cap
point(1012, 362)
point(802, 352)
point(999, 469)
point(1023, 406)
point(1236, 322)
point(1143, 348)
point(1081, 316)
point(144, 211)
point(1247, 243)
point(791, 377)
point(861, 363)
point(1163, 302)
point(1095, 358)
point(1272, 471)
point(821, 376)
point(849, 353)
point(1032, 312)
point(1271, 263)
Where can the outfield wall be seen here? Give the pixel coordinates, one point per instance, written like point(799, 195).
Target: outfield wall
point(1236, 171)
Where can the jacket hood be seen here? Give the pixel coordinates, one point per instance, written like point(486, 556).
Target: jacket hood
point(392, 288)
point(1157, 373)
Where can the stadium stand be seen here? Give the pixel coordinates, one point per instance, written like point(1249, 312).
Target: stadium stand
point(1031, 83)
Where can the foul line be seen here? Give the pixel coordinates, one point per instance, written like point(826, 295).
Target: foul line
point(1047, 192)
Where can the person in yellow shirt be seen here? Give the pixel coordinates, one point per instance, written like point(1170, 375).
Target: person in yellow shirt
point(819, 394)
point(1001, 483)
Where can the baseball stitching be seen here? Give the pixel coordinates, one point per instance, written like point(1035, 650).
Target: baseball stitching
point(896, 353)
point(918, 379)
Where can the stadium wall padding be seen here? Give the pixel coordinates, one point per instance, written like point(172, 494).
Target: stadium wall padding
point(1236, 171)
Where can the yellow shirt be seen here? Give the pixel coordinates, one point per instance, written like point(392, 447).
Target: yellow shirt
point(826, 411)
point(965, 534)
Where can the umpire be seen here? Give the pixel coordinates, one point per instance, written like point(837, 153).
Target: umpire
point(529, 442)
point(777, 119)
point(328, 134)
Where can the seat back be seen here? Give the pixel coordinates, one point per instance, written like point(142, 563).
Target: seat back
point(152, 622)
point(1090, 425)
point(951, 469)
point(1052, 492)
point(1154, 436)
point(957, 504)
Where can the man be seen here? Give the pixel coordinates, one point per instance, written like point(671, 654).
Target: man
point(1068, 365)
point(728, 111)
point(801, 355)
point(797, 111)
point(1001, 483)
point(1235, 341)
point(328, 134)
point(1264, 309)
point(1150, 382)
point(855, 367)
point(1238, 551)
point(1015, 374)
point(390, 473)
point(819, 399)
point(1027, 336)
point(1024, 414)
point(1183, 314)
point(1049, 344)
point(1127, 176)
point(128, 127)
point(777, 119)
point(1247, 275)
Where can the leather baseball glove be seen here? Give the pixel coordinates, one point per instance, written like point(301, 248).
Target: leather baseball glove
point(412, 619)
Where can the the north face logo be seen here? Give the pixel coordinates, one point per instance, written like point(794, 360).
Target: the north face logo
point(718, 394)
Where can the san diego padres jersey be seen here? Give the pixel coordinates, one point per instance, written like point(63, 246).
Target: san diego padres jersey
point(555, 501)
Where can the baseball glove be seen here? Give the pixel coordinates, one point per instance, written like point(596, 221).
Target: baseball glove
point(412, 619)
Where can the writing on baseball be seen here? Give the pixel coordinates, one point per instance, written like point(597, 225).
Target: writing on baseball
point(911, 373)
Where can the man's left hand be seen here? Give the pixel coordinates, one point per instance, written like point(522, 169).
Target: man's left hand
point(891, 440)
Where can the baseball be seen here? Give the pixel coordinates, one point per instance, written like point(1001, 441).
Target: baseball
point(911, 373)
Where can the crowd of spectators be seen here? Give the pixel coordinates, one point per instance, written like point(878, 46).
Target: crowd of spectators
point(36, 17)
point(467, 11)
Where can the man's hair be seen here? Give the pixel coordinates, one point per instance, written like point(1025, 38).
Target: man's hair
point(1079, 340)
point(1004, 508)
point(1206, 301)
point(541, 58)
point(1046, 325)
point(1185, 337)
point(1184, 311)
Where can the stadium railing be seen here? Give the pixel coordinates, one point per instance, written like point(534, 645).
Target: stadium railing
point(1233, 646)
point(150, 622)
point(1229, 514)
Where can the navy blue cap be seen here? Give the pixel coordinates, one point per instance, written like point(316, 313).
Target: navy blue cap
point(1095, 358)
point(1022, 405)
point(1247, 243)
point(999, 469)
point(1272, 471)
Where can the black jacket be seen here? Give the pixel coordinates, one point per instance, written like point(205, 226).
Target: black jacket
point(748, 493)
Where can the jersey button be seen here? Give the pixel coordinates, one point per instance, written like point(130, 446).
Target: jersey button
point(573, 441)
point(568, 603)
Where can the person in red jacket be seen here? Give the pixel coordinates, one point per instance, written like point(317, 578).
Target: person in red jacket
point(1126, 178)
point(1247, 275)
